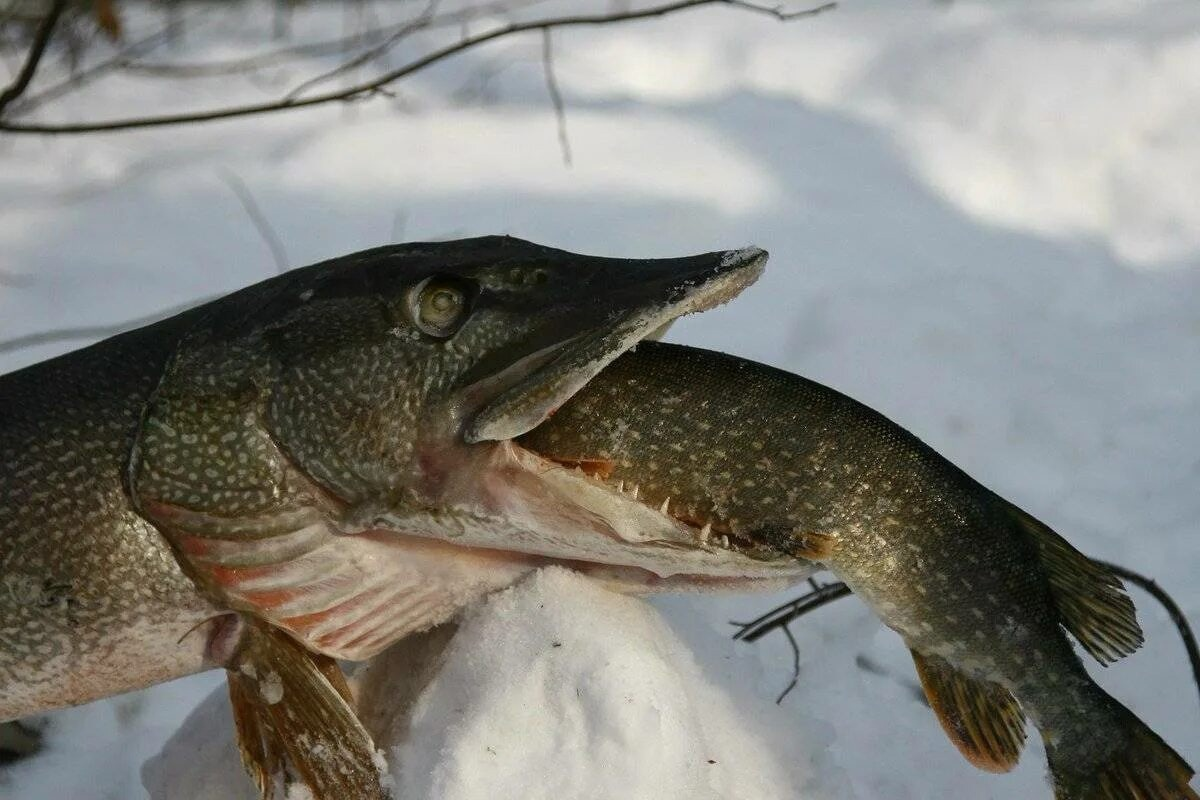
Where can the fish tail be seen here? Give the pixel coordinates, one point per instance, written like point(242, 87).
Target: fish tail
point(1134, 762)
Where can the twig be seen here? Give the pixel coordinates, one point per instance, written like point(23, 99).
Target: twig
point(560, 112)
point(780, 616)
point(80, 79)
point(372, 87)
point(93, 332)
point(36, 50)
point(258, 218)
point(420, 21)
point(1176, 613)
point(795, 665)
point(284, 55)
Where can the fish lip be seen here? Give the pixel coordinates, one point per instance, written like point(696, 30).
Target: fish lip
point(554, 372)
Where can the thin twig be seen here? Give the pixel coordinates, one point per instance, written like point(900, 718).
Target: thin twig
point(93, 332)
point(258, 218)
point(1176, 613)
point(782, 615)
point(795, 665)
point(779, 617)
point(418, 23)
point(285, 55)
point(82, 78)
point(560, 112)
point(374, 86)
point(37, 49)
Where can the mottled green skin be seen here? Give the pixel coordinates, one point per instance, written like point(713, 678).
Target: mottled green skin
point(92, 600)
point(771, 456)
point(155, 479)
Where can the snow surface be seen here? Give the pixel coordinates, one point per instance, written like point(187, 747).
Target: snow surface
point(982, 222)
point(593, 687)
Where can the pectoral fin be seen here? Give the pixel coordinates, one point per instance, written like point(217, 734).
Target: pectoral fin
point(293, 717)
point(982, 718)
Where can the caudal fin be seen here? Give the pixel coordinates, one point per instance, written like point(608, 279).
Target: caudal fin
point(1143, 767)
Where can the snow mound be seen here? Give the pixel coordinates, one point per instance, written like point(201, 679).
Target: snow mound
point(607, 702)
point(555, 688)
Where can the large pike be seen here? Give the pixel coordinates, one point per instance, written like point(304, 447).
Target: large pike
point(764, 462)
point(314, 467)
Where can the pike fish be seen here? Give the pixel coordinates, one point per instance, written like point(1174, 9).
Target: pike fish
point(316, 466)
point(763, 462)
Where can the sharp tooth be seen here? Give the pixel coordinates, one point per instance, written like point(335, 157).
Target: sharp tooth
point(634, 492)
point(663, 509)
point(705, 532)
point(621, 487)
point(725, 541)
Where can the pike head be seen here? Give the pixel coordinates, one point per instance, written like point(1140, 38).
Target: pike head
point(332, 449)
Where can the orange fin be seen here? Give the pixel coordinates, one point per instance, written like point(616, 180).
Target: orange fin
point(292, 719)
point(261, 750)
point(1092, 600)
point(982, 718)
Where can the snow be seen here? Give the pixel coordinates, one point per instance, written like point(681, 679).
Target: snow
point(593, 687)
point(982, 222)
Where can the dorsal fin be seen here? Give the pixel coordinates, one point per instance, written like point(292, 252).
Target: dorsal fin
point(1092, 600)
point(982, 718)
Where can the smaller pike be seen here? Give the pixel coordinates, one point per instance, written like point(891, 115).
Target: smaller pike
point(763, 461)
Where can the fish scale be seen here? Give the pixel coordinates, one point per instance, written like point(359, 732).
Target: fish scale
point(980, 591)
point(315, 466)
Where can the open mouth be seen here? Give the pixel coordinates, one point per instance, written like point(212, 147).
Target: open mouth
point(554, 372)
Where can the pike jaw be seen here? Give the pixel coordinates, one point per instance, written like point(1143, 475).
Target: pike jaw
point(332, 450)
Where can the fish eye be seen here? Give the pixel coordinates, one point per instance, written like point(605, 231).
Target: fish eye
point(438, 306)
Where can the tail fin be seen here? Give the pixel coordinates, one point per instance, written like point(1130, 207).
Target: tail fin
point(1142, 767)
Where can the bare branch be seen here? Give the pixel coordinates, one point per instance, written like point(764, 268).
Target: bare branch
point(82, 78)
point(419, 22)
point(780, 616)
point(1173, 610)
point(92, 332)
point(375, 86)
point(37, 49)
point(285, 55)
point(258, 218)
point(560, 112)
point(795, 665)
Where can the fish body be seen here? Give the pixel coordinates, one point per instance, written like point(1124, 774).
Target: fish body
point(980, 591)
point(92, 599)
point(313, 467)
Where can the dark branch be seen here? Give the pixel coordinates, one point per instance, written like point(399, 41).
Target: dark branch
point(1176, 613)
point(779, 617)
point(421, 21)
point(37, 49)
point(92, 332)
point(82, 78)
point(285, 55)
point(377, 85)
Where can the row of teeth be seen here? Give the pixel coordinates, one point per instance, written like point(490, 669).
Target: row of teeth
point(665, 510)
point(632, 491)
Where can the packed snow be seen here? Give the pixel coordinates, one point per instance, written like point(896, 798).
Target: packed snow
point(982, 223)
point(594, 688)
